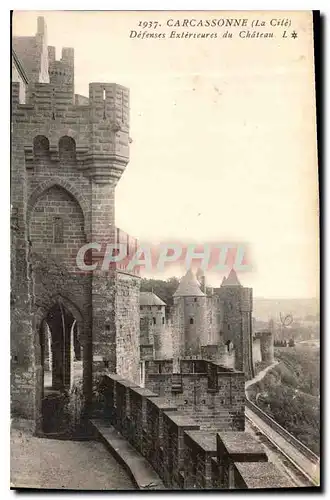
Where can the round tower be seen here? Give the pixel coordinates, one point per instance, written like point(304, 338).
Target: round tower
point(190, 321)
point(153, 308)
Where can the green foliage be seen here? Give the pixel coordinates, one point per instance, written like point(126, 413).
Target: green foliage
point(163, 289)
point(304, 364)
point(289, 393)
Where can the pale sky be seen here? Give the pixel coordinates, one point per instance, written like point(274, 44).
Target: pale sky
point(224, 135)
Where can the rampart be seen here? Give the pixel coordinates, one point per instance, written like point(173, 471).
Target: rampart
point(184, 455)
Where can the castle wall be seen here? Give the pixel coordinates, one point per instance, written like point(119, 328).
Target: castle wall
point(33, 53)
point(156, 331)
point(81, 100)
point(66, 162)
point(178, 336)
point(183, 454)
point(210, 394)
point(213, 331)
point(196, 332)
point(61, 71)
point(190, 325)
point(17, 77)
point(165, 350)
point(57, 226)
point(128, 326)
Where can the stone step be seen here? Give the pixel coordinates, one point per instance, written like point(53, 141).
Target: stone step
point(138, 468)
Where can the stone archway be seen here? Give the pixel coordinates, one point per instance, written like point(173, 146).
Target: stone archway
point(59, 341)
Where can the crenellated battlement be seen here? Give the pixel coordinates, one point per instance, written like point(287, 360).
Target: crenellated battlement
point(184, 453)
point(110, 102)
point(100, 129)
point(61, 71)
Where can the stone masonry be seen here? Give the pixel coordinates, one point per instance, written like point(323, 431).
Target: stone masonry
point(66, 161)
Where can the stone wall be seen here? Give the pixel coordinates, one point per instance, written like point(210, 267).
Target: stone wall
point(66, 162)
point(33, 54)
point(154, 330)
point(190, 326)
point(184, 455)
point(209, 393)
point(17, 77)
point(236, 323)
point(128, 326)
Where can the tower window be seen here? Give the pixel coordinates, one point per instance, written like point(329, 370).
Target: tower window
point(163, 320)
point(191, 321)
point(195, 300)
point(154, 320)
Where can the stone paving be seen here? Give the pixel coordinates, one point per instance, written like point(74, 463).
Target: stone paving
point(49, 463)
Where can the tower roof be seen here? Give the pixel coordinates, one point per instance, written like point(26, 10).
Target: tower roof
point(150, 299)
point(189, 286)
point(232, 279)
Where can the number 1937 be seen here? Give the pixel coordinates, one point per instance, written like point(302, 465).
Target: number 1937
point(149, 24)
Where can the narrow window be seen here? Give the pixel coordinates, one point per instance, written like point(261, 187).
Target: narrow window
point(58, 230)
point(191, 321)
point(154, 320)
point(163, 320)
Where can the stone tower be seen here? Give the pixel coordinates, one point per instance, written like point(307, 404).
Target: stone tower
point(154, 330)
point(66, 162)
point(267, 346)
point(235, 302)
point(189, 317)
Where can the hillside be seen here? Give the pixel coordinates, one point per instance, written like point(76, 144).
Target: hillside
point(290, 393)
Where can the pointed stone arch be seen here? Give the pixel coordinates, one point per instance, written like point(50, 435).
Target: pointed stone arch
point(69, 304)
point(40, 315)
point(71, 190)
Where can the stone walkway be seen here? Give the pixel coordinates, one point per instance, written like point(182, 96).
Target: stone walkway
point(49, 463)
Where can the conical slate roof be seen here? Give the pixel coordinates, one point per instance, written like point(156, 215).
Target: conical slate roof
point(189, 286)
point(150, 299)
point(232, 279)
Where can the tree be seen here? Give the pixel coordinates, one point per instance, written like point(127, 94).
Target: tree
point(163, 289)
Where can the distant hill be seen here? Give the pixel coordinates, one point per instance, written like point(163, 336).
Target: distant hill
point(263, 308)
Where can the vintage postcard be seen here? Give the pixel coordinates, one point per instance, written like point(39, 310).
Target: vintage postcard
point(164, 250)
